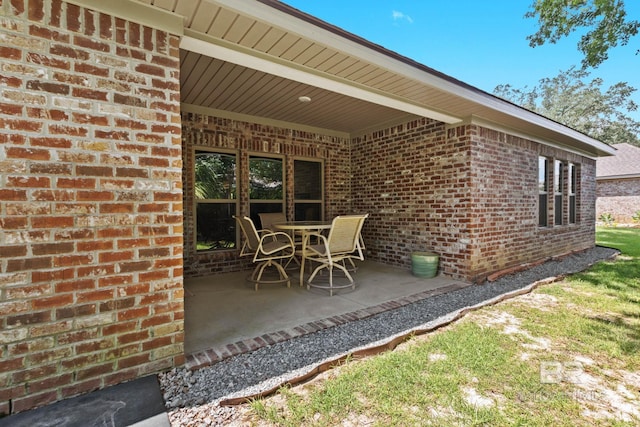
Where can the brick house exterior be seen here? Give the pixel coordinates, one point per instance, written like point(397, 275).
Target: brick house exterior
point(97, 186)
point(468, 193)
point(90, 202)
point(618, 184)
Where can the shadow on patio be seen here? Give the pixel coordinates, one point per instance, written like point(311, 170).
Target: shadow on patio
point(225, 316)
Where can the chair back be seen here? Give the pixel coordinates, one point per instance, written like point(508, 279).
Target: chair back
point(267, 219)
point(252, 240)
point(345, 233)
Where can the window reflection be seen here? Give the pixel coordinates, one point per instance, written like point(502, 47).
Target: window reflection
point(308, 190)
point(266, 189)
point(215, 193)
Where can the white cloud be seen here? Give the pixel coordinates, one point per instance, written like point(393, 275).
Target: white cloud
point(401, 16)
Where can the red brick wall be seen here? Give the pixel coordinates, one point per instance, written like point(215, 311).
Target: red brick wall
point(247, 139)
point(618, 197)
point(415, 186)
point(467, 193)
point(504, 204)
point(90, 202)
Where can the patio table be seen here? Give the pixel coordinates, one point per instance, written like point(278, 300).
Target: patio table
point(303, 227)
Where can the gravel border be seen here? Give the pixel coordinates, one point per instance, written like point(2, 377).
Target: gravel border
point(268, 367)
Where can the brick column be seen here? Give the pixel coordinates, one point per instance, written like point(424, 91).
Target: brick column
point(90, 202)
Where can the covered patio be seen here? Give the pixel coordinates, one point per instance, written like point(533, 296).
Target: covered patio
point(350, 128)
point(225, 316)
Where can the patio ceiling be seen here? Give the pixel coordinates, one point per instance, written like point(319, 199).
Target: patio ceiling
point(254, 58)
point(220, 85)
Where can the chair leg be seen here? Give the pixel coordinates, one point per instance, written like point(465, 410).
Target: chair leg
point(330, 280)
point(283, 273)
point(330, 287)
point(259, 270)
point(256, 276)
point(313, 274)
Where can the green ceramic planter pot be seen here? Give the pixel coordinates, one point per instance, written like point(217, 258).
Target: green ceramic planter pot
point(424, 264)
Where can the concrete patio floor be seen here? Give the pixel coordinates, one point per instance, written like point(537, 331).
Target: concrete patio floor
point(224, 315)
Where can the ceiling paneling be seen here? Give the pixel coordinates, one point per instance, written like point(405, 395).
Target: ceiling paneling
point(217, 84)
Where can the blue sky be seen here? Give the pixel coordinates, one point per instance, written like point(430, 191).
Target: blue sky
point(481, 42)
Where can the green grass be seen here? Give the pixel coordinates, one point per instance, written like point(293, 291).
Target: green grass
point(624, 239)
point(592, 318)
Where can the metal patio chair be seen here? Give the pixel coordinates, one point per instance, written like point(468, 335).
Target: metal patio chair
point(268, 248)
point(342, 243)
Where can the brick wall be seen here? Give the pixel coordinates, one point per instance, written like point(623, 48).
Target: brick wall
point(246, 139)
point(90, 202)
point(504, 204)
point(618, 197)
point(415, 186)
point(467, 193)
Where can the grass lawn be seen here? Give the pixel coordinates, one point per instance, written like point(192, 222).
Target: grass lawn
point(567, 354)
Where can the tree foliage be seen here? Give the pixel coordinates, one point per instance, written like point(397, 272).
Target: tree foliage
point(215, 176)
point(605, 22)
point(582, 105)
point(265, 179)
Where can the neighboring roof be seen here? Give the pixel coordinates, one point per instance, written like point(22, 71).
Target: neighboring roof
point(624, 164)
point(252, 59)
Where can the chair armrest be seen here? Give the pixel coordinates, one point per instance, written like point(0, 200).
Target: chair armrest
point(308, 235)
point(323, 241)
point(273, 235)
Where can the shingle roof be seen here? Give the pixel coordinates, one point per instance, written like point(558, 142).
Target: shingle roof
point(625, 162)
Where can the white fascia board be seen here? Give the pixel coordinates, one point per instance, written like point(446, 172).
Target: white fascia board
point(200, 43)
point(265, 13)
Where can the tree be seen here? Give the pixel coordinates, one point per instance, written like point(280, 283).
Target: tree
point(214, 176)
point(571, 100)
point(605, 21)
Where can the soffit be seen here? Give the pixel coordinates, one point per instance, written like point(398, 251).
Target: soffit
point(275, 32)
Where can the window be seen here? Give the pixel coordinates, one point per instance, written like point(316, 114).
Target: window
point(558, 182)
point(573, 187)
point(266, 186)
point(308, 190)
point(543, 188)
point(216, 199)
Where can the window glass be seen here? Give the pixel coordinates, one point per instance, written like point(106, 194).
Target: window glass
point(216, 227)
point(542, 191)
point(266, 186)
point(558, 183)
point(308, 190)
point(557, 176)
point(308, 211)
point(215, 176)
point(573, 178)
point(265, 179)
point(308, 180)
point(542, 174)
point(215, 194)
